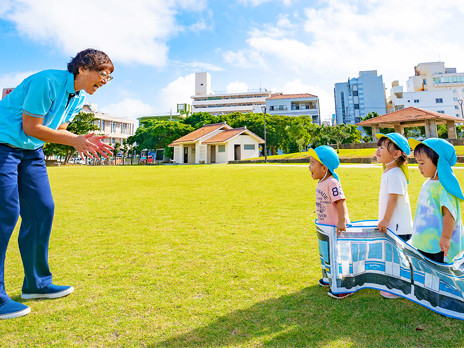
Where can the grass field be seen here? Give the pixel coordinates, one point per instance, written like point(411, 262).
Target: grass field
point(223, 255)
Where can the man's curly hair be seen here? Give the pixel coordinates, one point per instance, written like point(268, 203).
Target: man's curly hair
point(90, 59)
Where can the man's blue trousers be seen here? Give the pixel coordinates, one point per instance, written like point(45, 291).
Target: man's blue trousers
point(25, 190)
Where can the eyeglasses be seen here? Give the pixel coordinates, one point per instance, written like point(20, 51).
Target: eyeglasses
point(104, 75)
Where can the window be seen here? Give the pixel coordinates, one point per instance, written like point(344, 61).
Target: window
point(123, 128)
point(456, 107)
point(439, 100)
point(441, 111)
point(355, 93)
point(103, 125)
point(271, 108)
point(221, 148)
point(416, 101)
point(114, 127)
point(424, 81)
point(455, 98)
point(249, 147)
point(356, 106)
point(282, 107)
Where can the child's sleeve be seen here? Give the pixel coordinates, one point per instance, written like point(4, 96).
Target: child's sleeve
point(450, 202)
point(335, 191)
point(397, 184)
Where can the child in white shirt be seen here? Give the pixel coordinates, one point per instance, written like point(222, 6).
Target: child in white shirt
point(394, 207)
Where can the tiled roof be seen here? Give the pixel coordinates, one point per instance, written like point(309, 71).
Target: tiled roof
point(410, 114)
point(200, 132)
point(291, 96)
point(224, 136)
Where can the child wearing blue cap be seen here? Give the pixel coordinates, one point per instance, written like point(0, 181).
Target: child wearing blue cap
point(330, 201)
point(438, 229)
point(394, 208)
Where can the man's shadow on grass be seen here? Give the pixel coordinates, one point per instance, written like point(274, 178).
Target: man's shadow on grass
point(305, 318)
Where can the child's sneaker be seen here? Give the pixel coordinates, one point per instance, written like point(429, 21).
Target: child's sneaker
point(323, 283)
point(339, 296)
point(385, 294)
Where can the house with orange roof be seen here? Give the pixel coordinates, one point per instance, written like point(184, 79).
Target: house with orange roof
point(413, 117)
point(216, 143)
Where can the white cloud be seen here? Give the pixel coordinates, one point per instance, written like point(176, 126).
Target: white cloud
point(236, 87)
point(177, 92)
point(14, 79)
point(128, 31)
point(358, 35)
point(260, 2)
point(244, 59)
point(130, 108)
point(202, 66)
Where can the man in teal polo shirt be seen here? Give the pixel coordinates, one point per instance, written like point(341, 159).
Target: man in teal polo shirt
point(38, 111)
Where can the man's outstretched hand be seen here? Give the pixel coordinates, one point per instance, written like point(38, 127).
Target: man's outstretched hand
point(90, 145)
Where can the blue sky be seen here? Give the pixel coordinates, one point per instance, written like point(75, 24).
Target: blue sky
point(285, 46)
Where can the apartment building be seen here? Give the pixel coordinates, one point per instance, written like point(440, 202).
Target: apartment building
point(440, 101)
point(117, 129)
point(205, 100)
point(434, 76)
point(294, 105)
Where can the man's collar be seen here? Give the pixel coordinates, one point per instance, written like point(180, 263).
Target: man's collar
point(70, 83)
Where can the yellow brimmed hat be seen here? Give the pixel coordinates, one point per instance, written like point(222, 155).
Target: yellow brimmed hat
point(326, 156)
point(402, 143)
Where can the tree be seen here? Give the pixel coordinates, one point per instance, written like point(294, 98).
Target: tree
point(340, 134)
point(154, 134)
point(197, 120)
point(301, 131)
point(125, 150)
point(117, 148)
point(83, 123)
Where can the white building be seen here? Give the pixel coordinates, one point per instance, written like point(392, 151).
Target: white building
point(117, 129)
point(205, 100)
point(434, 76)
point(440, 101)
point(216, 143)
point(294, 105)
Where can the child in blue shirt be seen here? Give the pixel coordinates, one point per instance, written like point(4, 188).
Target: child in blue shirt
point(437, 229)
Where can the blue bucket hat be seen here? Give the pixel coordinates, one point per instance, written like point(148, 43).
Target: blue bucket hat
point(327, 157)
point(446, 159)
point(402, 143)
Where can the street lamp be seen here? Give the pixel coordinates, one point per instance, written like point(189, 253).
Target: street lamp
point(265, 142)
point(460, 101)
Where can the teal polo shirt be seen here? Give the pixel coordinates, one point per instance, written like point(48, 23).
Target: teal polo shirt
point(44, 95)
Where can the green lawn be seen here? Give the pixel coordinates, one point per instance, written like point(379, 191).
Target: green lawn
point(223, 255)
point(346, 153)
